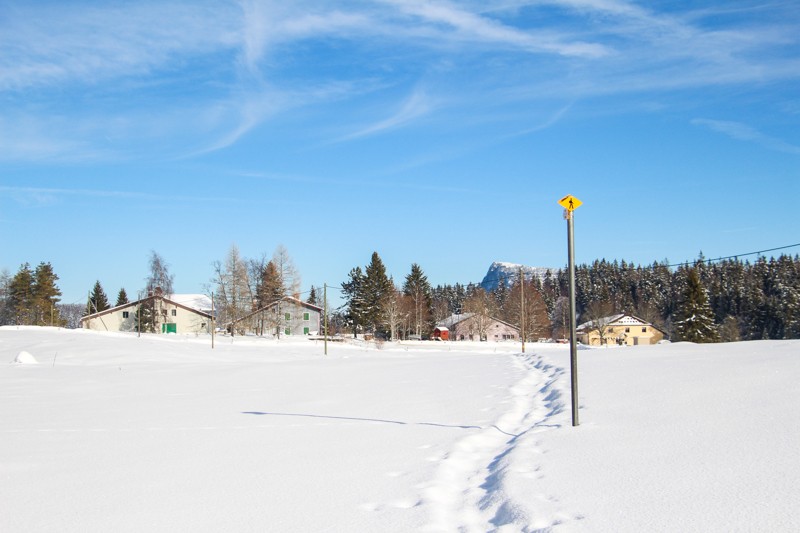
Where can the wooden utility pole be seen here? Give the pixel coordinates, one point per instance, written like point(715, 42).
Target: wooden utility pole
point(213, 326)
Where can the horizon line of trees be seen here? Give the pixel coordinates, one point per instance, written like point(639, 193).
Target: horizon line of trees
point(727, 300)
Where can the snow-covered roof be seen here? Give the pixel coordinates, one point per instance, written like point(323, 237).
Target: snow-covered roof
point(200, 302)
point(186, 301)
point(614, 320)
point(452, 320)
point(629, 320)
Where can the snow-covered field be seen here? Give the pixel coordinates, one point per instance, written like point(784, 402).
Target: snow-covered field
point(110, 432)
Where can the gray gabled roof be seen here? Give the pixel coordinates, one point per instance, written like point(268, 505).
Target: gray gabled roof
point(453, 320)
point(269, 306)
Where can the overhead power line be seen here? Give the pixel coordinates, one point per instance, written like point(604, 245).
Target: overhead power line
point(737, 256)
point(502, 277)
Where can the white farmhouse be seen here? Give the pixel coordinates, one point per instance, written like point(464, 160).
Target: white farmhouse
point(178, 313)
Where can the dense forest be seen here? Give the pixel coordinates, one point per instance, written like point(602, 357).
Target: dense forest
point(744, 301)
point(705, 301)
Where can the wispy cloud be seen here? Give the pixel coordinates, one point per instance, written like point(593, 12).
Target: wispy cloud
point(418, 104)
point(25, 138)
point(552, 120)
point(47, 196)
point(743, 132)
point(88, 43)
point(267, 26)
point(85, 81)
point(470, 26)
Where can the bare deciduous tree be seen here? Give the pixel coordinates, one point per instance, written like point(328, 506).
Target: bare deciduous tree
point(396, 312)
point(289, 276)
point(483, 307)
point(560, 318)
point(234, 298)
point(159, 278)
point(600, 314)
point(525, 309)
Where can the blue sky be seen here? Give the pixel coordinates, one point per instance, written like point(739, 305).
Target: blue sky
point(441, 133)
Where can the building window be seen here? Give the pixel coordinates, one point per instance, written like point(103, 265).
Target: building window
point(306, 316)
point(644, 330)
point(611, 330)
point(627, 330)
point(288, 316)
point(306, 331)
point(288, 331)
point(174, 312)
point(124, 314)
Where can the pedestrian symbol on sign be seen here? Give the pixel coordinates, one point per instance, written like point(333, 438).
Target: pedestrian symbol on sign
point(570, 203)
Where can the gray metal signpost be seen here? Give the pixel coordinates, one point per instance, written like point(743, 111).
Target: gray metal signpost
point(570, 203)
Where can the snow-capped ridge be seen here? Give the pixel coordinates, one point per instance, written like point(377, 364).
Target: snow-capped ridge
point(505, 272)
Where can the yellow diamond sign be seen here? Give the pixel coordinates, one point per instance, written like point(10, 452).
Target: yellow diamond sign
point(570, 203)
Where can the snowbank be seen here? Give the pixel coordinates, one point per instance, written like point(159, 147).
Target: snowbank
point(25, 358)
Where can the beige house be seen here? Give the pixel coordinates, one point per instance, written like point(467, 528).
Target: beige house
point(180, 313)
point(618, 329)
point(470, 326)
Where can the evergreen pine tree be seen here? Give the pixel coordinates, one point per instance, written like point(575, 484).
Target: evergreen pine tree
point(695, 318)
point(353, 292)
point(312, 296)
point(46, 295)
point(377, 289)
point(417, 288)
point(787, 287)
point(98, 301)
point(20, 296)
point(146, 316)
point(5, 284)
point(122, 297)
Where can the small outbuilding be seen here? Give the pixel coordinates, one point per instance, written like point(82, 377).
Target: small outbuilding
point(441, 333)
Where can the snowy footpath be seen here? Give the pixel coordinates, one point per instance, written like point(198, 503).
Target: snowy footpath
point(110, 432)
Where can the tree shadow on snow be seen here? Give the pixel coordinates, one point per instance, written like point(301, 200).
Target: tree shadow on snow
point(359, 419)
